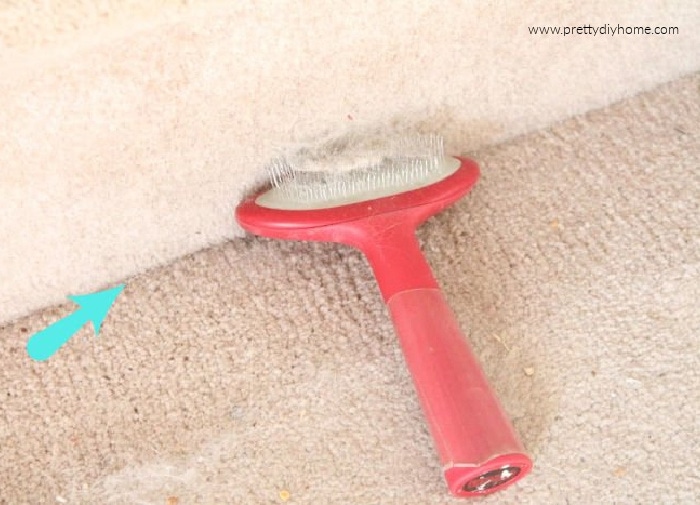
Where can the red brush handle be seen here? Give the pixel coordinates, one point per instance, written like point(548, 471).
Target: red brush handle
point(478, 447)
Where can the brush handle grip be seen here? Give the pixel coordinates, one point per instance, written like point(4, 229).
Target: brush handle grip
point(478, 447)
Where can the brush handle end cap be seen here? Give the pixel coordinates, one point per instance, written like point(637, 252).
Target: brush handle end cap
point(496, 474)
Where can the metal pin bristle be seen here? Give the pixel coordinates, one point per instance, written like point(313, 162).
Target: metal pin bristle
point(403, 161)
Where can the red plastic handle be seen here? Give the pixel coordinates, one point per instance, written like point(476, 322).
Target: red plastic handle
point(478, 447)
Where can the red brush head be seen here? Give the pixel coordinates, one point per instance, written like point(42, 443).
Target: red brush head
point(330, 224)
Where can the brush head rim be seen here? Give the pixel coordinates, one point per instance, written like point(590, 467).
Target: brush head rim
point(296, 224)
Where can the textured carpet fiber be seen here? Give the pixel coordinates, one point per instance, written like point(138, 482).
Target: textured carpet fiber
point(128, 128)
point(261, 368)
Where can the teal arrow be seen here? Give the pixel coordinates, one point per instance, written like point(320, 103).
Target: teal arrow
point(94, 307)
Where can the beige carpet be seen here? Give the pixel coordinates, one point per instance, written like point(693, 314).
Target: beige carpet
point(128, 128)
point(260, 368)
